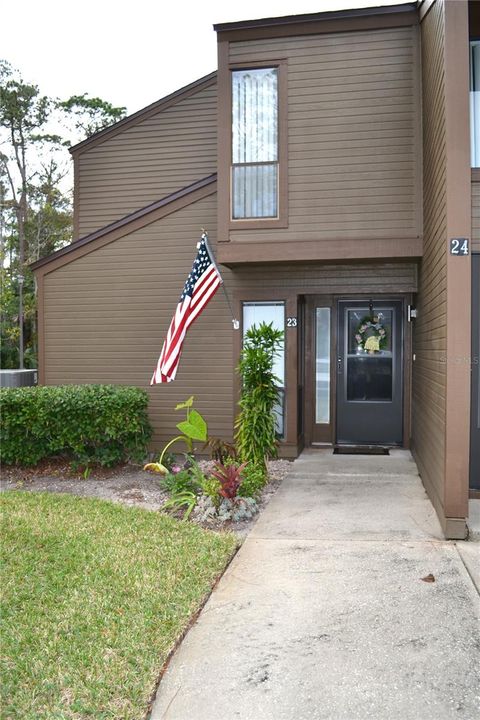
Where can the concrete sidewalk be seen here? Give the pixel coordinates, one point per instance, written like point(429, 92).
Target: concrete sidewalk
point(323, 613)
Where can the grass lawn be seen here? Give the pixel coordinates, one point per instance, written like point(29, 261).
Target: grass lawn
point(94, 597)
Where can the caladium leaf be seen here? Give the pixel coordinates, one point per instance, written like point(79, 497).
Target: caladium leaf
point(195, 427)
point(186, 404)
point(156, 467)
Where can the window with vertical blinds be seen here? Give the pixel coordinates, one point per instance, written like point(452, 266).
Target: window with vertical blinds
point(255, 143)
point(475, 103)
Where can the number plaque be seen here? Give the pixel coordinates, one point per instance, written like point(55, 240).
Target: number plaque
point(459, 246)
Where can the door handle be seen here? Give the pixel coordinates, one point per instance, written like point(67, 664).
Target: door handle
point(339, 365)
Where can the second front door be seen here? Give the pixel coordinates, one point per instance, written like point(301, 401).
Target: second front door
point(354, 371)
point(370, 373)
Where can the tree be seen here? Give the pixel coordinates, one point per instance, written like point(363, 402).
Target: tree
point(24, 114)
point(49, 217)
point(90, 115)
point(35, 200)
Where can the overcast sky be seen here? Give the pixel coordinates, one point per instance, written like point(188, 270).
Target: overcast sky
point(130, 53)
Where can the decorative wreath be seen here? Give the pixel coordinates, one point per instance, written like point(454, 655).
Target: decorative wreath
point(371, 335)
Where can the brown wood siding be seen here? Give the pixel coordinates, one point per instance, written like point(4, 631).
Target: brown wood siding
point(106, 315)
point(476, 216)
point(353, 139)
point(325, 279)
point(147, 161)
point(430, 332)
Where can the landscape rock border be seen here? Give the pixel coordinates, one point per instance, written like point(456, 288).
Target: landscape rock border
point(127, 484)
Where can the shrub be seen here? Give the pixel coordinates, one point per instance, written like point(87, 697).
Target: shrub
point(179, 482)
point(254, 480)
point(255, 424)
point(103, 424)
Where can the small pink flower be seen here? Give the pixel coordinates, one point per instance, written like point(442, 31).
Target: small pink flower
point(176, 469)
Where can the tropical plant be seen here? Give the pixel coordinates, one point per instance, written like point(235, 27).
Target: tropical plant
point(185, 499)
point(192, 428)
point(230, 478)
point(255, 424)
point(254, 480)
point(220, 449)
point(179, 482)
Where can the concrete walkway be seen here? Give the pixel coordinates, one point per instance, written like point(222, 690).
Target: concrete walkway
point(323, 613)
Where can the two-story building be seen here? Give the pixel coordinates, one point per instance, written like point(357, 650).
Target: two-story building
point(331, 159)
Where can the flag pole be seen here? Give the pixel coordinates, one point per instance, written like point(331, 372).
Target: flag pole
point(235, 322)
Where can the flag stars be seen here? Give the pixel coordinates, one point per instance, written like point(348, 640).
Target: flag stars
point(202, 262)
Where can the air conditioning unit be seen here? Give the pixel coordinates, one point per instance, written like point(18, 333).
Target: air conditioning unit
point(18, 378)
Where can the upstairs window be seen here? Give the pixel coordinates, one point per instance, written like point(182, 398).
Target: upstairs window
point(255, 143)
point(475, 103)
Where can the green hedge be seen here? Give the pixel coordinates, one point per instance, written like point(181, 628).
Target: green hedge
point(102, 424)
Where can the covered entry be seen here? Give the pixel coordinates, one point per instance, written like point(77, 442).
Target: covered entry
point(355, 371)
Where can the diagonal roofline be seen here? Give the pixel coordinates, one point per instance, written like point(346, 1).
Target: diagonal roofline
point(126, 220)
point(144, 113)
point(401, 7)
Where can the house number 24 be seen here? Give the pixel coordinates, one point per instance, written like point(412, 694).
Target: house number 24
point(292, 322)
point(459, 246)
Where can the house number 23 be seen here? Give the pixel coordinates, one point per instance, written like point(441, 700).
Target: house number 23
point(291, 322)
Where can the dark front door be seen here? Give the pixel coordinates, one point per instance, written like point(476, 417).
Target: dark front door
point(370, 372)
point(475, 412)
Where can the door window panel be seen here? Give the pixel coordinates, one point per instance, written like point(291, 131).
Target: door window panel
point(369, 374)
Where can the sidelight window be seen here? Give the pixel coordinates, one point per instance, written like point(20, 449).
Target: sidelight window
point(254, 313)
point(322, 365)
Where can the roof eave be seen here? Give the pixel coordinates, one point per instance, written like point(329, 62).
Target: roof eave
point(316, 17)
point(145, 112)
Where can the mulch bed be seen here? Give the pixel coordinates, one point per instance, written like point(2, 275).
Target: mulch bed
point(127, 484)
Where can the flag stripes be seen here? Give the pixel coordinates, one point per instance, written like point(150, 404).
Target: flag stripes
point(201, 285)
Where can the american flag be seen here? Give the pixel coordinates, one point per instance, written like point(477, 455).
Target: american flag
point(200, 287)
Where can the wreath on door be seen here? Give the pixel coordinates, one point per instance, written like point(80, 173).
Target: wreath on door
point(371, 335)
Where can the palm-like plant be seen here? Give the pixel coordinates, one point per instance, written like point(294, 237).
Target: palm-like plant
point(255, 424)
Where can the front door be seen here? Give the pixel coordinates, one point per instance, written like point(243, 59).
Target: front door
point(370, 372)
point(475, 411)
